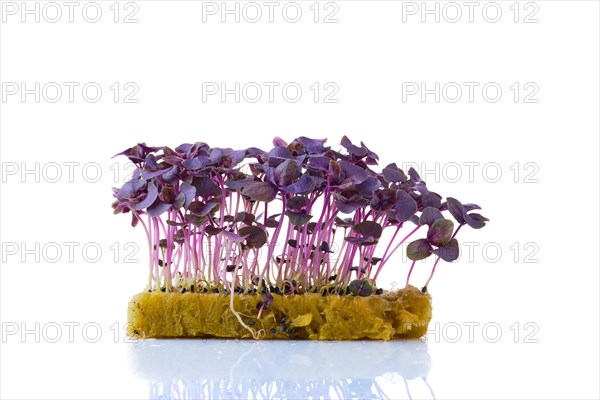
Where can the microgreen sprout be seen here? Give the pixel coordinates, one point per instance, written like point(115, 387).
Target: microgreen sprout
point(299, 218)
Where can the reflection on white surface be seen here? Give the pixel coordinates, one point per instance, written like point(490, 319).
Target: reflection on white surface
point(226, 369)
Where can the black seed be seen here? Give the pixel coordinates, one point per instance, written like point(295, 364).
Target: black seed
point(283, 328)
point(183, 290)
point(162, 289)
point(192, 288)
point(283, 320)
point(424, 289)
point(215, 290)
point(251, 323)
point(379, 291)
point(225, 292)
point(273, 331)
point(292, 331)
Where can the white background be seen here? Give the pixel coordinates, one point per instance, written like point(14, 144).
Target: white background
point(540, 295)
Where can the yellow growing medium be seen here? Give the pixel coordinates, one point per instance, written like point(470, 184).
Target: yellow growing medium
point(307, 316)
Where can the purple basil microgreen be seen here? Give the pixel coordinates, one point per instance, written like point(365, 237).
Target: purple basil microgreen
point(368, 228)
point(448, 252)
point(430, 215)
point(367, 187)
point(352, 149)
point(392, 173)
point(360, 287)
point(456, 209)
point(440, 232)
point(195, 197)
point(244, 217)
point(297, 203)
point(189, 192)
point(287, 172)
point(157, 208)
point(431, 199)
point(298, 218)
point(148, 199)
point(419, 249)
point(414, 175)
point(474, 220)
point(201, 209)
point(353, 172)
point(260, 191)
point(205, 187)
point(384, 199)
point(255, 237)
point(405, 206)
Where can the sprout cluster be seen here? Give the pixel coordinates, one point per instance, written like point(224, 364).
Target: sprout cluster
point(298, 218)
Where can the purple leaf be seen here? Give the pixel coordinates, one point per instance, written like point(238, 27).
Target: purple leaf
point(456, 209)
point(170, 174)
point(238, 183)
point(279, 142)
point(430, 215)
point(431, 199)
point(392, 173)
point(474, 220)
point(312, 146)
point(360, 287)
point(196, 162)
point(440, 232)
point(298, 218)
point(297, 203)
point(237, 156)
point(448, 252)
point(255, 237)
point(470, 207)
point(157, 208)
point(353, 171)
point(368, 187)
point(244, 217)
point(179, 201)
point(202, 209)
point(368, 229)
point(320, 163)
point(279, 152)
point(418, 250)
point(414, 175)
point(148, 200)
point(260, 191)
point(131, 189)
point(206, 187)
point(352, 149)
point(167, 194)
point(287, 172)
point(406, 206)
point(384, 199)
point(304, 185)
point(189, 192)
